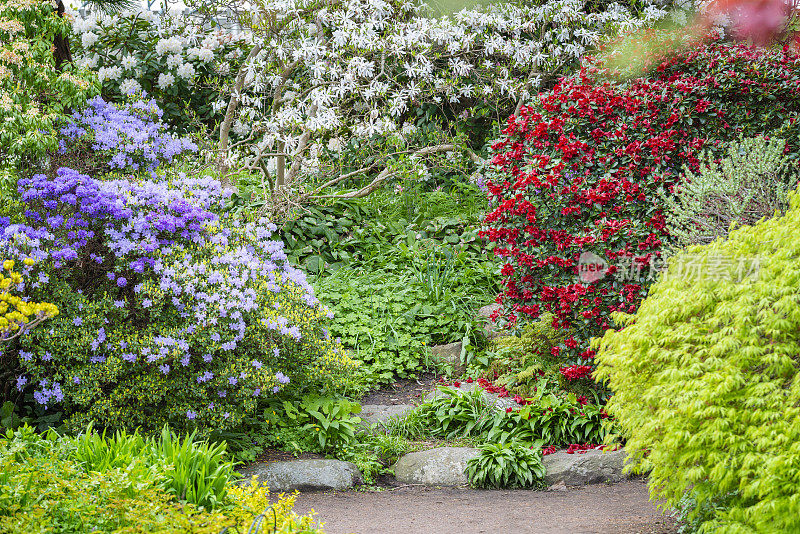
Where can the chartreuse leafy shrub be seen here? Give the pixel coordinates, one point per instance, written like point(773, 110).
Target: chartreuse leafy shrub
point(752, 181)
point(706, 383)
point(172, 311)
point(577, 172)
point(34, 95)
point(46, 486)
point(507, 465)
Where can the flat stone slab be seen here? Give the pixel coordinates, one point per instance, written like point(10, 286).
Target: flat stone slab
point(443, 466)
point(449, 354)
point(591, 467)
point(500, 403)
point(490, 329)
point(379, 414)
point(304, 475)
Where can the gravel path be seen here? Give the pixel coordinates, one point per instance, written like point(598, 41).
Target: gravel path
point(621, 508)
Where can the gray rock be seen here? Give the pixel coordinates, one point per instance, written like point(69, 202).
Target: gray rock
point(449, 355)
point(591, 467)
point(305, 475)
point(501, 403)
point(490, 328)
point(443, 466)
point(379, 414)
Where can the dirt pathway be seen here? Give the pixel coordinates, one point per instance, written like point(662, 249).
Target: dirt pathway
point(600, 509)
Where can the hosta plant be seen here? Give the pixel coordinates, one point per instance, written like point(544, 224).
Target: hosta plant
point(507, 465)
point(706, 383)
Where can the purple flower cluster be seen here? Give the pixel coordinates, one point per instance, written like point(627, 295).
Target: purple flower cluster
point(173, 291)
point(130, 135)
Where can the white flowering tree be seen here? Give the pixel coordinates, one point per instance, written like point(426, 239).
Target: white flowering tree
point(327, 78)
point(347, 93)
point(170, 57)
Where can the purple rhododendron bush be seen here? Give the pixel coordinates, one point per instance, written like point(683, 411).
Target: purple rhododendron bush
point(120, 137)
point(171, 309)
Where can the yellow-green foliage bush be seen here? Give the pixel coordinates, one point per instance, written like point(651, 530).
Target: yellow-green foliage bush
point(706, 382)
point(43, 489)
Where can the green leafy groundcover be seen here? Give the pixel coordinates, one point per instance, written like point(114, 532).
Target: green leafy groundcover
point(58, 484)
point(706, 382)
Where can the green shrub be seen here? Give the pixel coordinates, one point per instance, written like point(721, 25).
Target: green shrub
point(507, 465)
point(752, 181)
point(550, 419)
point(45, 488)
point(706, 383)
point(171, 310)
point(527, 363)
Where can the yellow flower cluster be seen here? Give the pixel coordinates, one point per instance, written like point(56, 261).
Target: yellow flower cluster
point(16, 313)
point(252, 499)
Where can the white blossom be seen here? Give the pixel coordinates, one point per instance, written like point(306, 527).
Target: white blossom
point(130, 87)
point(129, 62)
point(88, 39)
point(165, 79)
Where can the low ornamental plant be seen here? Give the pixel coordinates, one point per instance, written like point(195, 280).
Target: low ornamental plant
point(507, 465)
point(47, 485)
point(171, 311)
point(706, 383)
point(575, 211)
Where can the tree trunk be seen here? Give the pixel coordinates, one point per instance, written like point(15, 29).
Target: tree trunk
point(61, 51)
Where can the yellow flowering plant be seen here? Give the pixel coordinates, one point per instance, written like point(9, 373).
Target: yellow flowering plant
point(17, 315)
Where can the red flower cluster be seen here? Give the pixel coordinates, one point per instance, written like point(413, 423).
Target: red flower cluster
point(550, 449)
point(574, 191)
point(491, 388)
point(580, 448)
point(575, 372)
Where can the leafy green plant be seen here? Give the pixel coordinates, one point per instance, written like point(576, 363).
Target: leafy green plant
point(706, 383)
point(549, 418)
point(507, 465)
point(751, 181)
point(191, 471)
point(45, 488)
point(200, 470)
point(8, 416)
point(331, 420)
point(525, 363)
point(455, 414)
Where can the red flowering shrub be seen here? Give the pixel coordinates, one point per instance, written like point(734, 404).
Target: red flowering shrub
point(576, 174)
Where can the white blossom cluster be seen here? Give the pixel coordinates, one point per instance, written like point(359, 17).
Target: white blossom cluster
point(360, 68)
point(117, 45)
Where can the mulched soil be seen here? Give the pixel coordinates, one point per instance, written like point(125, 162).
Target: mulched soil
point(404, 391)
